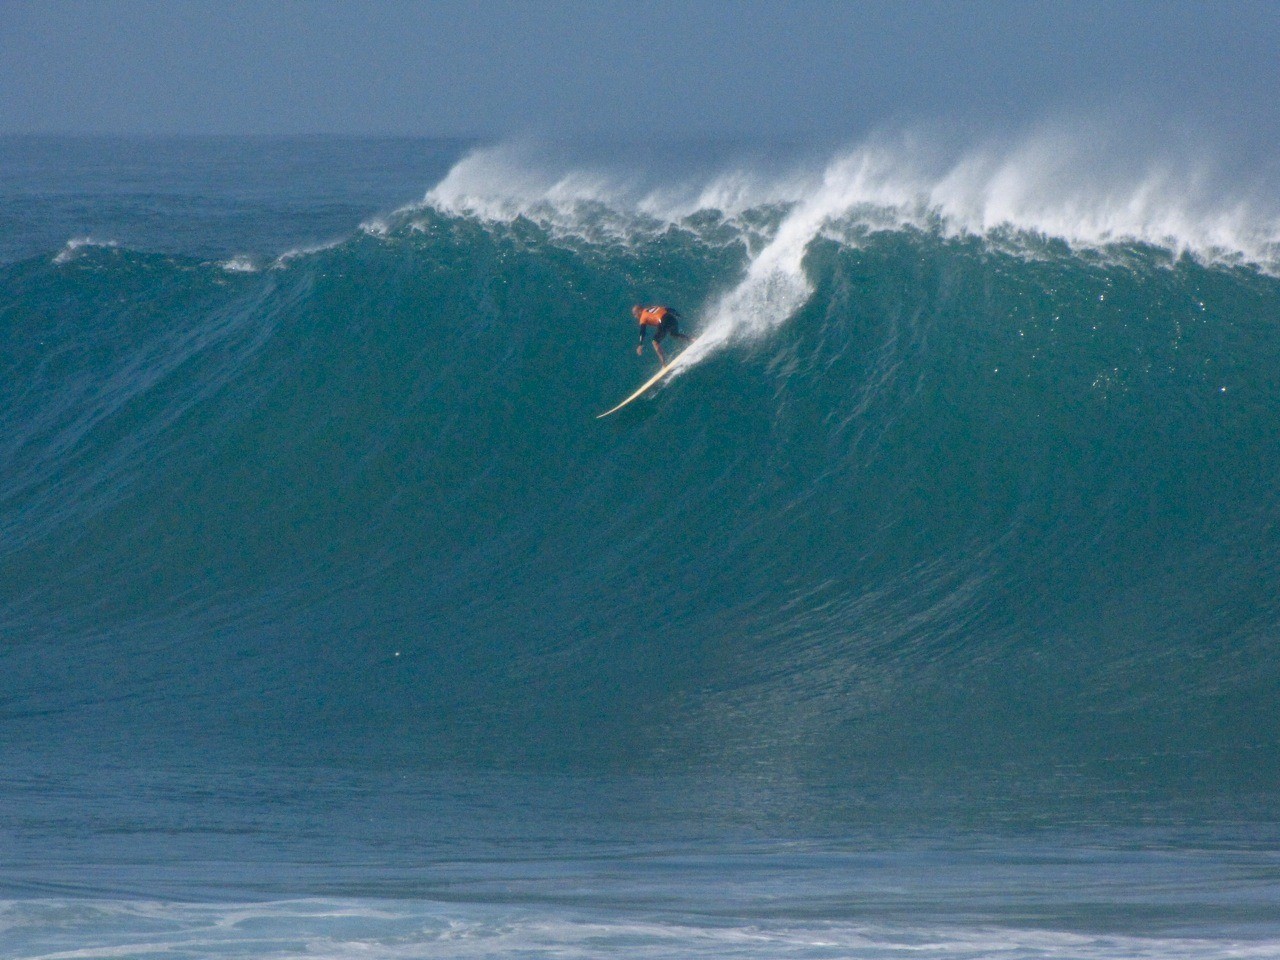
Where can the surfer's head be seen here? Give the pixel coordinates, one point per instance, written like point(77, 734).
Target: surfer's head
point(635, 311)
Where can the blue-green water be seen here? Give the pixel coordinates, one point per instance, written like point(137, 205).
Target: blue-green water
point(928, 609)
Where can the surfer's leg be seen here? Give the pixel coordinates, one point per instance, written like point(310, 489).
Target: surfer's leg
point(658, 334)
point(671, 326)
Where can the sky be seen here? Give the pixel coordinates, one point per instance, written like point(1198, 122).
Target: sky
point(635, 69)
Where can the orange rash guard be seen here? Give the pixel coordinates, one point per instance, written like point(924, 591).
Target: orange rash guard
point(653, 316)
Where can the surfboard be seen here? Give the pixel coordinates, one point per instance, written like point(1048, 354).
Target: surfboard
point(643, 387)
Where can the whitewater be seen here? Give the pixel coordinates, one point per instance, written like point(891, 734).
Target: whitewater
point(928, 610)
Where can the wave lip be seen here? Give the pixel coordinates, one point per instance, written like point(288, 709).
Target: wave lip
point(1050, 183)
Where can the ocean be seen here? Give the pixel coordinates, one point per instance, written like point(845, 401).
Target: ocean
point(928, 610)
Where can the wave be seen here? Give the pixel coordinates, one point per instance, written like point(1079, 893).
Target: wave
point(971, 463)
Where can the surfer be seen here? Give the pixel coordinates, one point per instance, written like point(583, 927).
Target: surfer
point(665, 320)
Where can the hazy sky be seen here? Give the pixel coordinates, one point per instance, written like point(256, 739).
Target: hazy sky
point(499, 67)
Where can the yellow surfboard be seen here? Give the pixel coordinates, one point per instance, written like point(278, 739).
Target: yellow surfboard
point(643, 387)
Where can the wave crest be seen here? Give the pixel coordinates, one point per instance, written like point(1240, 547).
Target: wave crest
point(1074, 186)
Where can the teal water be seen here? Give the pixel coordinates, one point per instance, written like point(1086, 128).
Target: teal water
point(929, 607)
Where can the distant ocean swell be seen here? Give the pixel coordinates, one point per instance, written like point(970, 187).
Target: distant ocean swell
point(961, 470)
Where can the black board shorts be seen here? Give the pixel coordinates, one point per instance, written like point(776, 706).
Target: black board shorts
point(668, 325)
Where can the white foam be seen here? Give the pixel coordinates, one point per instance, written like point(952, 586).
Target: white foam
point(76, 244)
point(398, 930)
point(594, 203)
point(524, 188)
point(239, 264)
point(1055, 185)
point(297, 252)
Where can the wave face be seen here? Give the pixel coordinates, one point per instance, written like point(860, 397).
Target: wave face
point(936, 488)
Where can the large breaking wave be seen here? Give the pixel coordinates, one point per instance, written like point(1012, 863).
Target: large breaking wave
point(975, 465)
